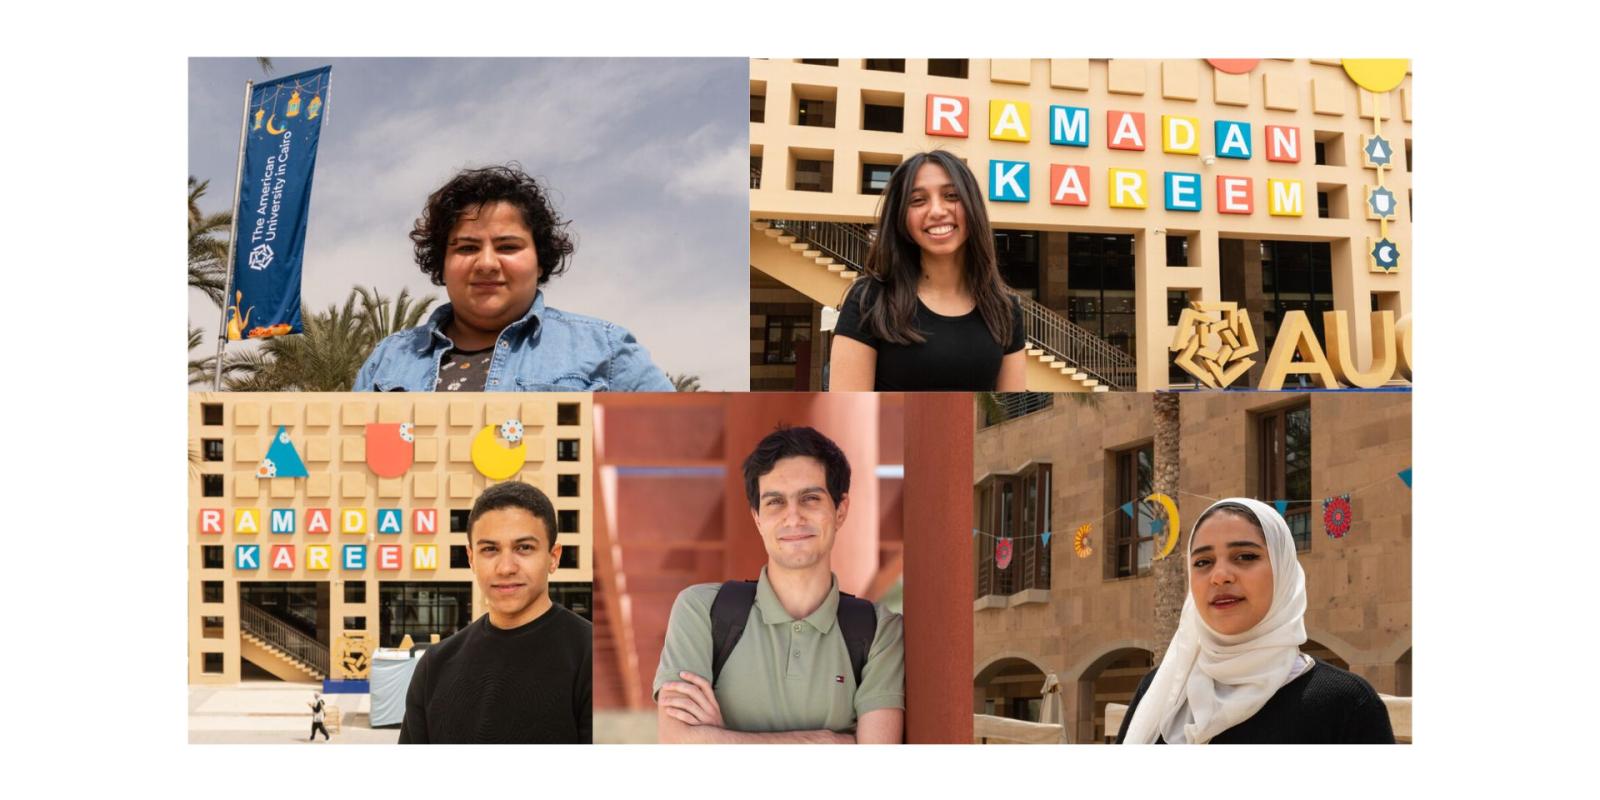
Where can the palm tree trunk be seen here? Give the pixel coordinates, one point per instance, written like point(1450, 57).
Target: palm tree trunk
point(1171, 585)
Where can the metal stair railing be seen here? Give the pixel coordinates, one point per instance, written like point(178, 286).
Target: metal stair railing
point(1074, 344)
point(1047, 329)
point(264, 626)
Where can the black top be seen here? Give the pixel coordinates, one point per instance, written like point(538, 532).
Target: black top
point(484, 685)
point(463, 370)
point(958, 356)
point(1323, 705)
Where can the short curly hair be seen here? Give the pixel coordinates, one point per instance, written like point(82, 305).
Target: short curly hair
point(469, 190)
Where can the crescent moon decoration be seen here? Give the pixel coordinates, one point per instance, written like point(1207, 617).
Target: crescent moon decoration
point(1234, 66)
point(1376, 75)
point(494, 460)
point(270, 129)
point(1080, 540)
point(1172, 523)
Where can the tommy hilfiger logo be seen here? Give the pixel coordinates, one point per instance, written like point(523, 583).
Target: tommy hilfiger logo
point(838, 679)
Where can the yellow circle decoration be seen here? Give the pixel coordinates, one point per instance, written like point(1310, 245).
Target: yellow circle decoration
point(1172, 523)
point(1080, 540)
point(1376, 74)
point(495, 460)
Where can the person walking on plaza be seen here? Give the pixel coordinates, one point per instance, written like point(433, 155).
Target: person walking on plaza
point(318, 705)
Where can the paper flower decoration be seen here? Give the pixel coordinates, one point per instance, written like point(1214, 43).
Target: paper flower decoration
point(1336, 516)
point(283, 436)
point(1080, 540)
point(405, 433)
point(511, 430)
point(266, 469)
point(1002, 553)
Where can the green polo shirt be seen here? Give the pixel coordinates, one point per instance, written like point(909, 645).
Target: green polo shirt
point(786, 674)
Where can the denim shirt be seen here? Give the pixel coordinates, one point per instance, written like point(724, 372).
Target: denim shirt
point(546, 351)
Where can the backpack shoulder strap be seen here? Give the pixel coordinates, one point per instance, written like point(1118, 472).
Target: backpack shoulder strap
point(858, 621)
point(728, 614)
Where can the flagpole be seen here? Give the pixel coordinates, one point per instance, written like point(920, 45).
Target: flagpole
point(233, 234)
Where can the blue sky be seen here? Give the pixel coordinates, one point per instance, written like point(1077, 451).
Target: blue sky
point(647, 157)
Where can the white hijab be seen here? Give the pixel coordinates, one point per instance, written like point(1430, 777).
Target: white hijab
point(1219, 681)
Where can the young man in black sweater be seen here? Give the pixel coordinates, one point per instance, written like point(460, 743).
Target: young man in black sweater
point(521, 673)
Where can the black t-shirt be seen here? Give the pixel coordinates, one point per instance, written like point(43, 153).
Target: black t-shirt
point(484, 685)
point(1323, 705)
point(959, 354)
point(463, 370)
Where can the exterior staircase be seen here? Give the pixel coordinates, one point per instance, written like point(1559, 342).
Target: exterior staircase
point(279, 648)
point(820, 259)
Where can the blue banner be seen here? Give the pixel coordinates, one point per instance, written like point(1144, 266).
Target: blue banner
point(283, 126)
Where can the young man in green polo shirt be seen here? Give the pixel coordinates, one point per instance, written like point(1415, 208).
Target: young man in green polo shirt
point(801, 670)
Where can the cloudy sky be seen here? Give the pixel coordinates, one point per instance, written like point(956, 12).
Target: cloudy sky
point(647, 157)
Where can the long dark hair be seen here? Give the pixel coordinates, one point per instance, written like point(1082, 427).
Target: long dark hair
point(894, 261)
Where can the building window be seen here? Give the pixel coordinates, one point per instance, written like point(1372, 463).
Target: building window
point(882, 118)
point(1132, 537)
point(755, 170)
point(1177, 301)
point(566, 486)
point(210, 485)
point(821, 62)
point(566, 413)
point(460, 520)
point(1100, 287)
point(211, 627)
point(885, 64)
point(1329, 149)
point(566, 449)
point(419, 610)
point(875, 178)
point(211, 556)
point(1408, 155)
point(569, 556)
point(1015, 507)
point(813, 175)
point(1177, 250)
point(1295, 276)
point(1284, 438)
point(567, 521)
point(211, 413)
point(814, 113)
point(758, 108)
point(947, 67)
point(211, 449)
point(355, 591)
point(1017, 257)
point(786, 337)
point(458, 557)
point(211, 663)
point(300, 605)
point(211, 592)
point(575, 597)
point(355, 623)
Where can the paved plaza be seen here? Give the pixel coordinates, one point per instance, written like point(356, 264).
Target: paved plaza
point(272, 712)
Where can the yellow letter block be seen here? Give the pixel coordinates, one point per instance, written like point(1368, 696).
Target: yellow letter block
point(1008, 120)
point(1180, 135)
point(1127, 188)
point(353, 520)
point(247, 520)
point(1285, 198)
point(319, 557)
point(425, 556)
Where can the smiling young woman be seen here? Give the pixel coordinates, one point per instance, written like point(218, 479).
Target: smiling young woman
point(1234, 673)
point(932, 312)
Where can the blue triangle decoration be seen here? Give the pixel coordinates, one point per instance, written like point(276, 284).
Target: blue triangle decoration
point(282, 460)
point(1282, 506)
point(1047, 538)
point(1405, 475)
point(1127, 508)
point(974, 533)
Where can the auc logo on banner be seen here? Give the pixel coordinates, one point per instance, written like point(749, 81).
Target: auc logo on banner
point(282, 129)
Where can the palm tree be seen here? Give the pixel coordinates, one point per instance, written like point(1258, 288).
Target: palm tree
point(265, 64)
point(325, 358)
point(684, 382)
point(1170, 581)
point(381, 318)
point(208, 270)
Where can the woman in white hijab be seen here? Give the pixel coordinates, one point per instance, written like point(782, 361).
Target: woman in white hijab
point(1234, 673)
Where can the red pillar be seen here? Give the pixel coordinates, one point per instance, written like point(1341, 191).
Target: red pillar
point(937, 496)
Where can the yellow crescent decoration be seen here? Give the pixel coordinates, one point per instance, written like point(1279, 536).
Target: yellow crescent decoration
point(493, 459)
point(1376, 75)
point(1172, 523)
point(270, 128)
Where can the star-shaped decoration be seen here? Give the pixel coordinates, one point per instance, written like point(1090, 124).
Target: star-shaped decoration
point(1382, 202)
point(1379, 151)
point(1385, 254)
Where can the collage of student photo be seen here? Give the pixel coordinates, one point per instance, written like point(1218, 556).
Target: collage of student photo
point(799, 401)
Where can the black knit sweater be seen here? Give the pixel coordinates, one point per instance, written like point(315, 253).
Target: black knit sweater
point(1323, 705)
point(484, 685)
